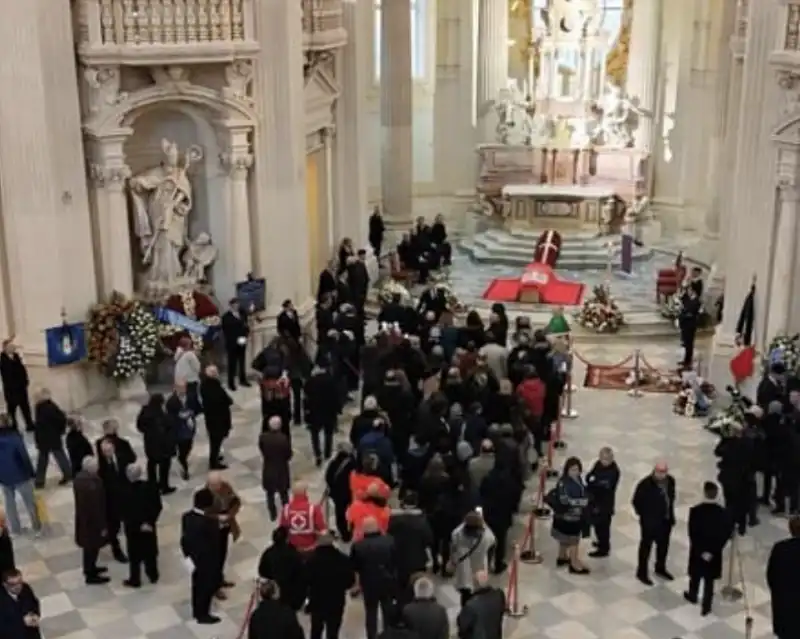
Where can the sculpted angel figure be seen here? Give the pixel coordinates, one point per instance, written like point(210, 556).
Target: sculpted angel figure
point(200, 254)
point(162, 201)
point(620, 117)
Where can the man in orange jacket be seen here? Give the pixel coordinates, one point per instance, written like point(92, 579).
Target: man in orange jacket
point(303, 520)
point(371, 505)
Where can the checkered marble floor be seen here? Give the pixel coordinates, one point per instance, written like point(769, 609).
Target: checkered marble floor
point(608, 604)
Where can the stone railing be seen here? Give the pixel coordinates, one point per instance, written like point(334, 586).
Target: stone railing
point(143, 31)
point(322, 25)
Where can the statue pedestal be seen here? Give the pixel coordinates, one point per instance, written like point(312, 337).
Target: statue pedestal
point(132, 389)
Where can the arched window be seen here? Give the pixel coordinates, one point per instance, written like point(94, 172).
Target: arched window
point(418, 41)
point(612, 16)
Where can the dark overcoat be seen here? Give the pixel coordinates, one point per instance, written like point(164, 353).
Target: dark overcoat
point(710, 528)
point(90, 510)
point(783, 568)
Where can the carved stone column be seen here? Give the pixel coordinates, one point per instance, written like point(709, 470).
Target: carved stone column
point(454, 130)
point(643, 66)
point(397, 148)
point(353, 69)
point(109, 173)
point(783, 261)
point(238, 160)
point(753, 184)
point(492, 61)
point(280, 228)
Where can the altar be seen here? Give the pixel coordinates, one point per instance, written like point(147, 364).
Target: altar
point(569, 207)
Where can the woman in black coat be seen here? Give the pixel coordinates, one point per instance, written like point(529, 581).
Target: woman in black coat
point(78, 446)
point(282, 563)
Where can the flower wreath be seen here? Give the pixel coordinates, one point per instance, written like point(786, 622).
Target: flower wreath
point(196, 306)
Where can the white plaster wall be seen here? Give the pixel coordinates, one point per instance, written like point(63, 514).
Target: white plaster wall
point(189, 126)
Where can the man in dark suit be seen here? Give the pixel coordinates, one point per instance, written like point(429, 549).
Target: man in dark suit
point(142, 509)
point(288, 322)
point(358, 278)
point(376, 231)
point(217, 408)
point(200, 546)
point(654, 504)
point(783, 567)
point(771, 388)
point(235, 331)
point(112, 471)
point(710, 528)
point(20, 611)
point(14, 375)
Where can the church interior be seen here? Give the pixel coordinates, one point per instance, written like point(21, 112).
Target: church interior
point(591, 160)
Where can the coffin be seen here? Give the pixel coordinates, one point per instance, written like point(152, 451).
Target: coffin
point(668, 282)
point(548, 248)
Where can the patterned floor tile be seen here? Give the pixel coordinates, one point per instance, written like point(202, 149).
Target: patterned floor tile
point(608, 604)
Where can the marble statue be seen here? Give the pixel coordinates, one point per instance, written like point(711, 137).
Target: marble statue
point(637, 210)
point(514, 118)
point(162, 202)
point(619, 118)
point(198, 257)
point(607, 216)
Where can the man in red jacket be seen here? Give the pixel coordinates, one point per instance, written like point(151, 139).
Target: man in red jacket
point(302, 519)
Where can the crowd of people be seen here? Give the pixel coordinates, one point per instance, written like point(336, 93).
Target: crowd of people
point(452, 422)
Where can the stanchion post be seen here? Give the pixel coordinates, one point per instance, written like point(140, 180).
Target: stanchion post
point(513, 608)
point(731, 592)
point(636, 392)
point(528, 553)
point(551, 471)
point(567, 409)
point(540, 508)
point(558, 442)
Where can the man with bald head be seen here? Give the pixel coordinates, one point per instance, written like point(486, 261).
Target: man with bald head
point(91, 522)
point(140, 517)
point(217, 409)
point(482, 615)
point(654, 504)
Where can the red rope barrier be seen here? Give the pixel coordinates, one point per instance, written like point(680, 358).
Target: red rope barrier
point(248, 612)
point(586, 362)
point(513, 608)
point(528, 553)
point(551, 472)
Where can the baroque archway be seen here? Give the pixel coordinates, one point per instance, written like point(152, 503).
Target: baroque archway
point(120, 142)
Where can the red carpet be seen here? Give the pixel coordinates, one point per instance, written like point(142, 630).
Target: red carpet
point(502, 290)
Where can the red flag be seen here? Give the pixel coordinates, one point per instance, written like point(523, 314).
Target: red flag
point(743, 364)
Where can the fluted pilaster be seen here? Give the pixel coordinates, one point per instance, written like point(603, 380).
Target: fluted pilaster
point(280, 226)
point(44, 201)
point(397, 146)
point(752, 210)
point(351, 210)
point(643, 65)
point(727, 92)
point(492, 58)
point(783, 261)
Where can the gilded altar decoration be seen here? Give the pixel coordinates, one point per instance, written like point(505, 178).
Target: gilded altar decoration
point(617, 58)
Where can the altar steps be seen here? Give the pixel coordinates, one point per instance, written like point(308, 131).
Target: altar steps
point(579, 251)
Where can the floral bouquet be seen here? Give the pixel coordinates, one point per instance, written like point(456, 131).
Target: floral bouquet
point(123, 337)
point(600, 312)
point(785, 349)
point(195, 305)
point(694, 397)
point(671, 308)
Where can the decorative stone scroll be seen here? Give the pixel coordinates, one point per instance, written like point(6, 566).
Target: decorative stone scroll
point(103, 176)
point(237, 164)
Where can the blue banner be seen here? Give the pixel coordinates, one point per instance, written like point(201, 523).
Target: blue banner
point(168, 316)
point(66, 344)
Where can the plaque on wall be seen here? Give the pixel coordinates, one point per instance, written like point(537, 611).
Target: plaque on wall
point(252, 294)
